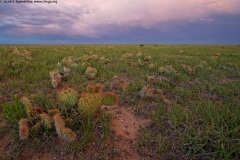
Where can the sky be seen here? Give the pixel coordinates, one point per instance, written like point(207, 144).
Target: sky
point(120, 22)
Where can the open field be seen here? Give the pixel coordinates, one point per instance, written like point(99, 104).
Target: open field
point(175, 101)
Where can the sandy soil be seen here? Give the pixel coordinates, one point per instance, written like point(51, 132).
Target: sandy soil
point(126, 125)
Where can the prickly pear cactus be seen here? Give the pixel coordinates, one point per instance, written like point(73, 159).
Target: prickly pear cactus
point(28, 105)
point(68, 96)
point(55, 77)
point(23, 129)
point(59, 124)
point(46, 120)
point(109, 99)
point(89, 102)
point(62, 131)
point(91, 73)
point(68, 135)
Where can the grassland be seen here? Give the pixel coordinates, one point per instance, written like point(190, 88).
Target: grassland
point(191, 94)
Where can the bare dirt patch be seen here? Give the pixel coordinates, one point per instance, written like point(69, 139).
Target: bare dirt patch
point(55, 151)
point(126, 126)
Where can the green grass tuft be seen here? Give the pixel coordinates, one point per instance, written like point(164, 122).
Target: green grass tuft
point(13, 111)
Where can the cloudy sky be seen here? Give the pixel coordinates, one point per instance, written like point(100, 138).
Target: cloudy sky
point(121, 21)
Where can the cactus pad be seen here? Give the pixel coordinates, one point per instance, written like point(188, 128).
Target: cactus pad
point(68, 96)
point(89, 103)
point(110, 99)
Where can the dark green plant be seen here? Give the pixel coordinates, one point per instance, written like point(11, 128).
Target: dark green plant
point(109, 99)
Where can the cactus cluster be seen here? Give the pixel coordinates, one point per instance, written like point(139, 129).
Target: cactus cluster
point(38, 119)
point(66, 71)
point(127, 55)
point(139, 54)
point(90, 101)
point(185, 69)
point(48, 120)
point(90, 57)
point(168, 70)
point(62, 131)
point(70, 62)
point(68, 96)
point(91, 73)
point(55, 77)
point(188, 69)
point(192, 70)
point(146, 92)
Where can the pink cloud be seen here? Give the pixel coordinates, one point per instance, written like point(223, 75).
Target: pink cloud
point(75, 17)
point(147, 13)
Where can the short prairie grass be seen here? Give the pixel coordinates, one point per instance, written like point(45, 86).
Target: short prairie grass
point(194, 107)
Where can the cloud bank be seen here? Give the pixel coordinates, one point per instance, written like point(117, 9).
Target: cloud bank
point(95, 18)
